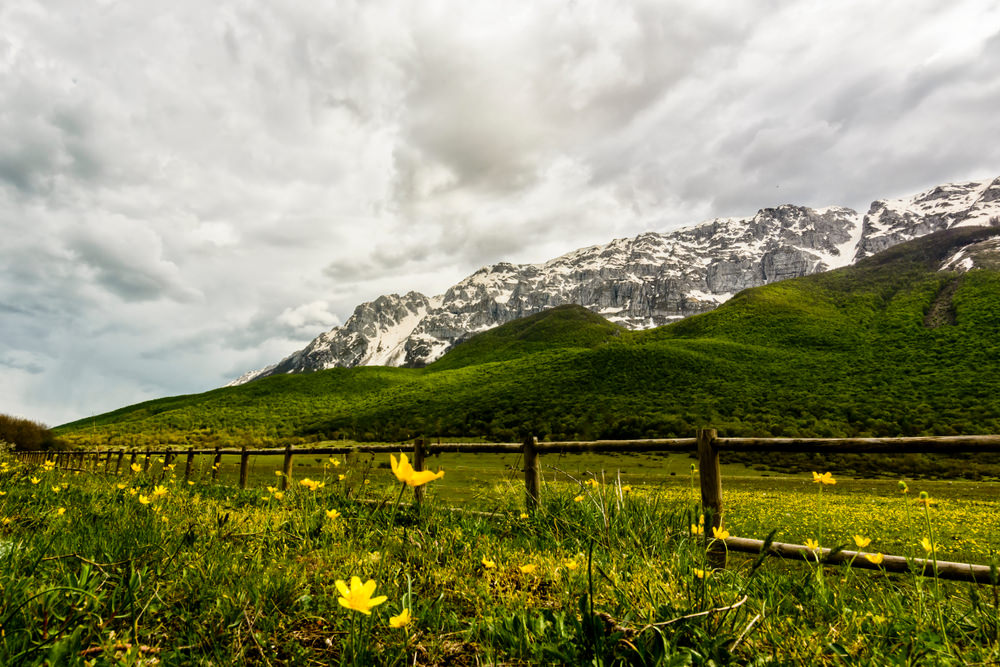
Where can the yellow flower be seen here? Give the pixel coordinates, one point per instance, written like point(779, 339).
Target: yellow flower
point(278, 495)
point(278, 473)
point(697, 530)
point(190, 482)
point(341, 478)
point(334, 462)
point(332, 514)
point(571, 564)
point(719, 534)
point(160, 491)
point(359, 596)
point(862, 542)
point(524, 515)
point(578, 499)
point(35, 480)
point(272, 489)
point(120, 486)
point(144, 500)
point(132, 492)
point(701, 574)
point(488, 564)
point(825, 478)
point(812, 544)
point(926, 544)
point(592, 482)
point(875, 559)
point(136, 467)
point(3, 493)
point(925, 499)
point(405, 473)
point(60, 511)
point(626, 489)
point(528, 569)
point(402, 620)
point(310, 484)
point(56, 489)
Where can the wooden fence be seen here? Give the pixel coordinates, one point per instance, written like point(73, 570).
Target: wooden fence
point(706, 444)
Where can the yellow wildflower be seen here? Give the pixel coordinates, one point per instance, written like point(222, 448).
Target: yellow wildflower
point(136, 467)
point(60, 511)
point(334, 462)
point(35, 480)
point(120, 486)
point(272, 489)
point(402, 620)
point(144, 500)
point(278, 495)
point(488, 564)
point(132, 492)
point(875, 559)
point(524, 515)
point(332, 514)
point(341, 478)
point(862, 542)
point(719, 534)
point(56, 489)
point(925, 499)
point(528, 569)
point(571, 564)
point(825, 478)
point(812, 544)
point(160, 491)
point(405, 473)
point(578, 499)
point(278, 473)
point(701, 574)
point(626, 489)
point(697, 530)
point(359, 596)
point(592, 482)
point(927, 545)
point(311, 484)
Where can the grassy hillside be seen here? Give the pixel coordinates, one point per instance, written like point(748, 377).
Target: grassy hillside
point(888, 347)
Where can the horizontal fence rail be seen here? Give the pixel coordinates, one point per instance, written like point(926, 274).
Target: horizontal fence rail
point(707, 445)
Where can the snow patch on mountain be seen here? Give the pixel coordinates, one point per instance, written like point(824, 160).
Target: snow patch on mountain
point(645, 281)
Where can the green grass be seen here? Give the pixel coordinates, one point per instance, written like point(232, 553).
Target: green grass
point(208, 574)
point(845, 353)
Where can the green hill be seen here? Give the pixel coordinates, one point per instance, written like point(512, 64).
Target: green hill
point(887, 347)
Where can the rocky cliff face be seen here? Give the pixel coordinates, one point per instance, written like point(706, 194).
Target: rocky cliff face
point(645, 281)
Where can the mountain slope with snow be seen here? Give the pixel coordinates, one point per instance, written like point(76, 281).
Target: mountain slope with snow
point(641, 282)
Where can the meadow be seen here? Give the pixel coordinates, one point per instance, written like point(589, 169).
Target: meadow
point(149, 569)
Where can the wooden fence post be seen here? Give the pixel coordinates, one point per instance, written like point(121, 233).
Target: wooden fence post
point(216, 464)
point(131, 461)
point(711, 492)
point(419, 452)
point(532, 474)
point(146, 462)
point(286, 468)
point(118, 465)
point(189, 463)
point(244, 467)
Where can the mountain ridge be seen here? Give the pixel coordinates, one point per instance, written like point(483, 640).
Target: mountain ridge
point(643, 281)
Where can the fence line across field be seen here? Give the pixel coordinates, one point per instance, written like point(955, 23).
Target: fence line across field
point(707, 445)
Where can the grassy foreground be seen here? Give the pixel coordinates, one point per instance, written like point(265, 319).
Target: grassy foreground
point(151, 570)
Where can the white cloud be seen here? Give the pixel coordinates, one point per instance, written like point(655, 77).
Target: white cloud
point(191, 190)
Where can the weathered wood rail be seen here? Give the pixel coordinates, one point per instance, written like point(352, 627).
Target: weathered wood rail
point(707, 445)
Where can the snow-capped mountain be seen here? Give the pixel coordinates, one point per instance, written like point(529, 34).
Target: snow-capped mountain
point(645, 281)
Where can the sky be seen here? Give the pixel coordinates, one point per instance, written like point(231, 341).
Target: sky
point(192, 190)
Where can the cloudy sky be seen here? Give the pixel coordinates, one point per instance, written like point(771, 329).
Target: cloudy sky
point(190, 190)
